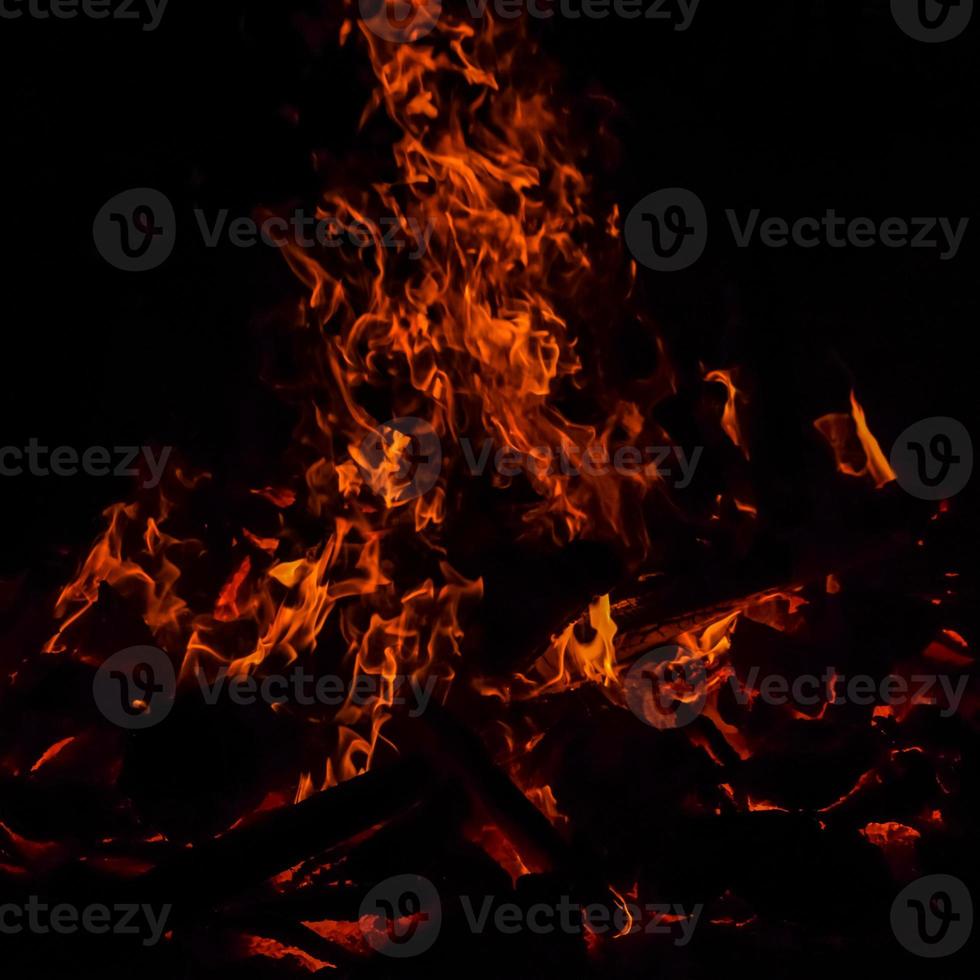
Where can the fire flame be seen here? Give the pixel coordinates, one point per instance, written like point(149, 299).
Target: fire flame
point(841, 430)
point(482, 334)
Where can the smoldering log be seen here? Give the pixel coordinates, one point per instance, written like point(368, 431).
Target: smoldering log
point(653, 613)
point(204, 875)
point(459, 754)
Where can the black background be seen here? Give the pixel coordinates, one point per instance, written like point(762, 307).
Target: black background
point(791, 107)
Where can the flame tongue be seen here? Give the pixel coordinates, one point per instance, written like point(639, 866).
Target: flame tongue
point(855, 448)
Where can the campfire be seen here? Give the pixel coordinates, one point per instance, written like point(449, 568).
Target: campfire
point(538, 649)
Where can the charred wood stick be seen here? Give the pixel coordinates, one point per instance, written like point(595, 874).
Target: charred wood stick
point(457, 753)
point(632, 643)
point(422, 833)
point(460, 755)
point(651, 615)
point(511, 633)
point(222, 867)
point(655, 616)
point(700, 589)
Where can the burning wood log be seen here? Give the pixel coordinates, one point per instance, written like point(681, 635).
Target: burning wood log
point(656, 612)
